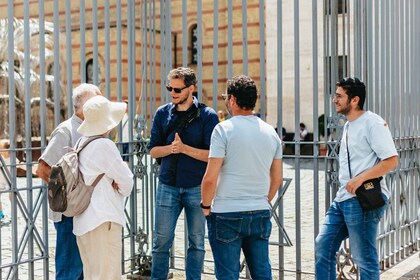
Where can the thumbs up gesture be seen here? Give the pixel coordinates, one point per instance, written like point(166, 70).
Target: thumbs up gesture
point(177, 145)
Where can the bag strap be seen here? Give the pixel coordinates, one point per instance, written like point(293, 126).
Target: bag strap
point(90, 139)
point(181, 123)
point(347, 148)
point(97, 179)
point(79, 149)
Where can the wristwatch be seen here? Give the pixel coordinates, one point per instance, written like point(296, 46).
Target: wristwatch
point(205, 206)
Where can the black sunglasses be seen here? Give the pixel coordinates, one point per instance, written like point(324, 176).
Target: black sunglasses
point(176, 90)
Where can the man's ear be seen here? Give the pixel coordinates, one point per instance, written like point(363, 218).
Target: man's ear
point(355, 100)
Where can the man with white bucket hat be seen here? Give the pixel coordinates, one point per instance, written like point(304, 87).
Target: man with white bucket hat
point(98, 228)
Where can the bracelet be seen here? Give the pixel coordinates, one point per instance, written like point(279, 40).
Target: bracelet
point(205, 206)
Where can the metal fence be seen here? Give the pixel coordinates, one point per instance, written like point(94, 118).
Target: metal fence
point(128, 47)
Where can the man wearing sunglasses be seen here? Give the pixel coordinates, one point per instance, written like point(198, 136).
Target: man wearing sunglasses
point(180, 139)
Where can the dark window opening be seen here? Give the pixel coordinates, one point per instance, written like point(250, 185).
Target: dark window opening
point(341, 6)
point(194, 43)
point(89, 71)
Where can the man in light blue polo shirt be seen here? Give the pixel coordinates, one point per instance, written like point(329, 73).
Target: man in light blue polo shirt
point(243, 174)
point(367, 151)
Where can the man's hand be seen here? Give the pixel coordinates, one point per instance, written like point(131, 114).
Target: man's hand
point(177, 146)
point(206, 212)
point(115, 186)
point(353, 184)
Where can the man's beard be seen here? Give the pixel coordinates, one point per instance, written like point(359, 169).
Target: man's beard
point(345, 110)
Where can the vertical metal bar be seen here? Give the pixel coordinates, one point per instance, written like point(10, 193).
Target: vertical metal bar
point(376, 63)
point(316, 113)
point(349, 57)
point(200, 49)
point(28, 140)
point(334, 46)
point(343, 29)
point(297, 152)
point(280, 117)
point(154, 65)
point(327, 90)
point(82, 42)
point(12, 134)
point(185, 34)
point(119, 49)
point(69, 58)
point(407, 72)
point(163, 93)
point(263, 93)
point(95, 41)
point(168, 36)
point(245, 36)
point(107, 36)
point(57, 91)
point(357, 39)
point(43, 117)
point(230, 40)
point(215, 53)
point(369, 63)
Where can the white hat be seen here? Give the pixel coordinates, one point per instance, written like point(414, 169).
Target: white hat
point(101, 115)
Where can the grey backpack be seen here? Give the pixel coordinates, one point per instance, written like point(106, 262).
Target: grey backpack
point(67, 191)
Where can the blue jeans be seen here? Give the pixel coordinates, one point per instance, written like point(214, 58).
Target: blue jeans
point(230, 232)
point(347, 220)
point(169, 203)
point(68, 264)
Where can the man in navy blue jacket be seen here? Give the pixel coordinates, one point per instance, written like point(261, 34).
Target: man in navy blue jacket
point(180, 139)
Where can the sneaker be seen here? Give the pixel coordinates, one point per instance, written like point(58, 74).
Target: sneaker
point(5, 221)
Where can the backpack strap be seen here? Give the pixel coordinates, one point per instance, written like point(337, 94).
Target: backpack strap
point(97, 179)
point(90, 139)
point(79, 149)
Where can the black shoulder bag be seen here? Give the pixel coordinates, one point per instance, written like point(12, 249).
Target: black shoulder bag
point(369, 193)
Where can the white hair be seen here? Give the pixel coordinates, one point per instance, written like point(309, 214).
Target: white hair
point(82, 93)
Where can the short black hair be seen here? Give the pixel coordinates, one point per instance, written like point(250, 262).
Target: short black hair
point(244, 90)
point(184, 73)
point(354, 87)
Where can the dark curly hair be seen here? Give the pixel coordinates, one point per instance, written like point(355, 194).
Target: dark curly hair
point(354, 87)
point(184, 73)
point(244, 90)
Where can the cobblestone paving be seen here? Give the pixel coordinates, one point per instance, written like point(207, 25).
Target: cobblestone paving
point(290, 211)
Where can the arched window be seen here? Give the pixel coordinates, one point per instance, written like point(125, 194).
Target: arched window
point(89, 71)
point(193, 40)
point(50, 83)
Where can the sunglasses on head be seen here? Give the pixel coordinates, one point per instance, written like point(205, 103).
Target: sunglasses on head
point(176, 90)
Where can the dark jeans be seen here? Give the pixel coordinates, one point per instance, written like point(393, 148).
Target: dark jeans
point(230, 232)
point(68, 264)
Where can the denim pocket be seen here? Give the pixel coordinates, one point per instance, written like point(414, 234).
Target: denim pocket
point(228, 229)
point(265, 224)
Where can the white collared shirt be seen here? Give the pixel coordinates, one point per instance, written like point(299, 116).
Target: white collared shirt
point(107, 204)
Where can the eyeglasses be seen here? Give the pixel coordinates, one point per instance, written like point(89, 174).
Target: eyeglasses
point(224, 96)
point(176, 90)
